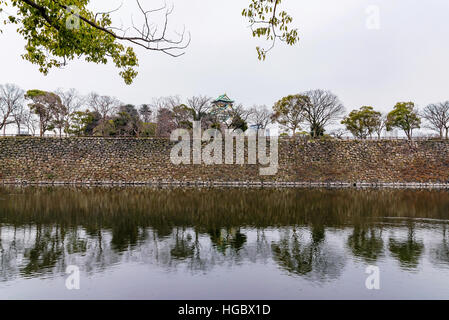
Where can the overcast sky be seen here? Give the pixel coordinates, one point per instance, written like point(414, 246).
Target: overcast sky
point(405, 59)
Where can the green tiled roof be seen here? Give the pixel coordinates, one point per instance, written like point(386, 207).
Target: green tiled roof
point(224, 98)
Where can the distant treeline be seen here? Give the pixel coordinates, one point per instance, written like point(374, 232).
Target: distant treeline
point(311, 113)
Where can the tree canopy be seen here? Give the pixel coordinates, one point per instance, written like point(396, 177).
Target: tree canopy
point(57, 31)
point(289, 111)
point(362, 123)
point(48, 106)
point(405, 117)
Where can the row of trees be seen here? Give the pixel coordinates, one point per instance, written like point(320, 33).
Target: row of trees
point(366, 121)
point(309, 113)
point(69, 113)
point(318, 109)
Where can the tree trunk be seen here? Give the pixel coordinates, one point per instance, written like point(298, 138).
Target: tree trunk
point(410, 134)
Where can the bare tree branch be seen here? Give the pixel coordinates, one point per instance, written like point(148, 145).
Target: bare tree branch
point(324, 108)
point(437, 116)
point(260, 116)
point(11, 98)
point(145, 39)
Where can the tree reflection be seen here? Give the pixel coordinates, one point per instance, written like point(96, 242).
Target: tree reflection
point(440, 253)
point(184, 247)
point(126, 233)
point(42, 230)
point(318, 233)
point(407, 251)
point(226, 238)
point(46, 252)
point(366, 243)
point(314, 259)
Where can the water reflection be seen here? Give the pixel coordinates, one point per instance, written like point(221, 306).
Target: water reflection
point(366, 243)
point(312, 257)
point(311, 234)
point(440, 252)
point(409, 250)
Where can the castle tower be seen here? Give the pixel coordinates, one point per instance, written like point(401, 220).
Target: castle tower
point(220, 105)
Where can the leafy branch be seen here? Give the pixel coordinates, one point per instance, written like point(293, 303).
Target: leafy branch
point(268, 22)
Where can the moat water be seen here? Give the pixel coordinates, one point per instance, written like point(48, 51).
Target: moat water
point(187, 243)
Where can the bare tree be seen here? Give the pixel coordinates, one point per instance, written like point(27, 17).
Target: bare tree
point(260, 116)
point(168, 102)
point(381, 125)
point(171, 113)
point(238, 117)
point(338, 133)
point(11, 98)
point(104, 105)
point(30, 121)
point(324, 108)
point(72, 101)
point(199, 106)
point(22, 116)
point(172, 101)
point(165, 122)
point(240, 111)
point(60, 115)
point(437, 116)
point(19, 116)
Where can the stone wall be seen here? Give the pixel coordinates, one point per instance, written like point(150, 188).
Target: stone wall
point(129, 160)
